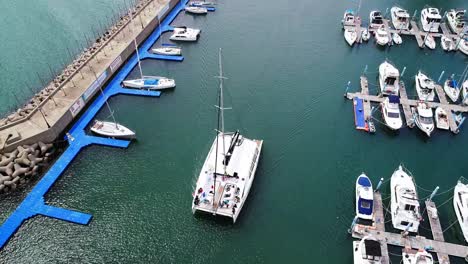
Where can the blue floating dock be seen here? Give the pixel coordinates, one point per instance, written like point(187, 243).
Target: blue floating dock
point(34, 203)
point(359, 117)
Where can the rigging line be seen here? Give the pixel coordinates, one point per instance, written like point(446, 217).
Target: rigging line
point(444, 192)
point(450, 226)
point(444, 202)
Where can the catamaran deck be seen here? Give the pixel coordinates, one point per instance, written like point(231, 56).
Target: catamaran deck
point(407, 103)
point(437, 245)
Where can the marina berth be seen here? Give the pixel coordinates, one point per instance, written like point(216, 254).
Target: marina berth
point(382, 36)
point(227, 175)
point(391, 112)
point(404, 201)
point(367, 251)
point(456, 20)
point(460, 205)
point(400, 18)
point(430, 19)
point(389, 79)
point(112, 130)
point(424, 87)
point(185, 34)
point(364, 198)
point(423, 118)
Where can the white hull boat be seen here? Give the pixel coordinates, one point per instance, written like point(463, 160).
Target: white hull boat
point(465, 92)
point(229, 170)
point(350, 36)
point(430, 19)
point(349, 19)
point(167, 50)
point(460, 205)
point(411, 256)
point(397, 38)
point(447, 43)
point(367, 251)
point(185, 34)
point(451, 89)
point(456, 20)
point(391, 112)
point(112, 130)
point(150, 83)
point(429, 42)
point(375, 19)
point(404, 202)
point(463, 45)
point(196, 10)
point(364, 198)
point(389, 79)
point(365, 35)
point(400, 18)
point(423, 118)
point(424, 87)
point(202, 3)
point(381, 36)
point(441, 118)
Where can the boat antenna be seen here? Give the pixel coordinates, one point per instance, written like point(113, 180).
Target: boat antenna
point(136, 46)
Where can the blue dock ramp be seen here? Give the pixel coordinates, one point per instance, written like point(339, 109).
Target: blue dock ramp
point(359, 117)
point(34, 203)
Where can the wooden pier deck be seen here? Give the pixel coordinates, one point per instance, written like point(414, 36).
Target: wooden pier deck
point(443, 100)
point(366, 103)
point(438, 245)
point(406, 107)
point(436, 228)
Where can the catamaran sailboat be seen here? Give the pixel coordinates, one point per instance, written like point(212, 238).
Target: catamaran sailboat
point(382, 37)
point(411, 256)
point(229, 169)
point(423, 117)
point(350, 36)
point(185, 34)
point(367, 251)
point(375, 19)
point(404, 201)
point(391, 112)
point(451, 89)
point(400, 18)
point(389, 79)
point(456, 20)
point(460, 205)
point(424, 87)
point(430, 19)
point(364, 198)
point(441, 119)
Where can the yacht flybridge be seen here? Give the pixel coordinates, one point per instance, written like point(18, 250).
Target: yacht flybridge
point(376, 19)
point(229, 169)
point(456, 20)
point(430, 19)
point(400, 18)
point(367, 251)
point(404, 201)
point(389, 78)
point(460, 205)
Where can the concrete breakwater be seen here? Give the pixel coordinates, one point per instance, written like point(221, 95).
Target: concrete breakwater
point(50, 111)
point(23, 164)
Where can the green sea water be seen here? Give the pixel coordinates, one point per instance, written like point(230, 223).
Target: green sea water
point(288, 65)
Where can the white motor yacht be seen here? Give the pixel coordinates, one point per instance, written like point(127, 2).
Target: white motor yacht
point(411, 256)
point(391, 112)
point(196, 10)
point(397, 38)
point(430, 19)
point(460, 205)
point(404, 201)
point(367, 251)
point(150, 83)
point(364, 198)
point(229, 169)
point(424, 87)
point(168, 49)
point(375, 19)
point(400, 18)
point(451, 89)
point(185, 34)
point(441, 119)
point(112, 130)
point(349, 19)
point(382, 36)
point(389, 79)
point(202, 3)
point(456, 20)
point(447, 43)
point(429, 42)
point(465, 92)
point(350, 36)
point(365, 35)
point(423, 118)
point(463, 45)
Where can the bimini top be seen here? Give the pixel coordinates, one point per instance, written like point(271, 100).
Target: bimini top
point(402, 13)
point(388, 69)
point(150, 81)
point(433, 13)
point(372, 248)
point(364, 181)
point(394, 99)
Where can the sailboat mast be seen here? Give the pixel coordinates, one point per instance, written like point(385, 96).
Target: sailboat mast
point(221, 108)
point(108, 107)
point(136, 47)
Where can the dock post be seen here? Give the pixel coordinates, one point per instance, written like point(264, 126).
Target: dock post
point(351, 228)
point(403, 71)
point(441, 75)
point(415, 14)
point(365, 70)
point(347, 88)
point(377, 189)
point(434, 193)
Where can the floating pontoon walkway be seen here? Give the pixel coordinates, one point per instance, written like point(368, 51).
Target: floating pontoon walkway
point(438, 245)
point(34, 203)
point(408, 103)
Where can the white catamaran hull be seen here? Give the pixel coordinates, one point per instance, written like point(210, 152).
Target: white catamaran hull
point(185, 34)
